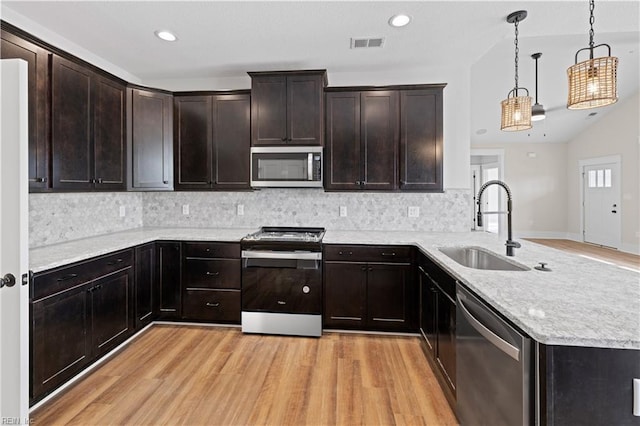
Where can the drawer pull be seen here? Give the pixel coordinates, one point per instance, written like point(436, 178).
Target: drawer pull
point(67, 277)
point(348, 253)
point(213, 305)
point(281, 302)
point(213, 274)
point(115, 262)
point(388, 254)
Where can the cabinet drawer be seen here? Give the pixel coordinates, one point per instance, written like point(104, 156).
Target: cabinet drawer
point(367, 253)
point(64, 278)
point(215, 273)
point(212, 305)
point(212, 250)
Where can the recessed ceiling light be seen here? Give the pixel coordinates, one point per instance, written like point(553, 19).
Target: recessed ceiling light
point(399, 20)
point(165, 35)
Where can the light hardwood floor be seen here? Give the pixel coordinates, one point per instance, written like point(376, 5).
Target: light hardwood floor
point(218, 376)
point(616, 257)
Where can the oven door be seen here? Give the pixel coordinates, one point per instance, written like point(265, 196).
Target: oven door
point(286, 167)
point(282, 282)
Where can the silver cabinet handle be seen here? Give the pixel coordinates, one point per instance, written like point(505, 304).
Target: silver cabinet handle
point(213, 305)
point(296, 255)
point(281, 302)
point(494, 339)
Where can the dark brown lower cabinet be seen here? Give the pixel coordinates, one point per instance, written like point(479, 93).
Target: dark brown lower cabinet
point(145, 258)
point(78, 314)
point(167, 302)
point(373, 290)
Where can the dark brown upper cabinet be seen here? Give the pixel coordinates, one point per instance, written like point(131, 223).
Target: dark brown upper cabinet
point(287, 107)
point(150, 134)
point(212, 134)
point(421, 140)
point(362, 140)
point(13, 47)
point(384, 138)
point(88, 129)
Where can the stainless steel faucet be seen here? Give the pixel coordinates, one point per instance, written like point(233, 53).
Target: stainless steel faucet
point(510, 243)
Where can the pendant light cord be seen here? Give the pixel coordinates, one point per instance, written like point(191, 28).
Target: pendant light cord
point(517, 50)
point(592, 19)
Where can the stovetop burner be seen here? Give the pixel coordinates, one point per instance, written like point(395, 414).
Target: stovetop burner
point(274, 233)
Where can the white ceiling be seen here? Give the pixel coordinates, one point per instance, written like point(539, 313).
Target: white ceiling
point(220, 41)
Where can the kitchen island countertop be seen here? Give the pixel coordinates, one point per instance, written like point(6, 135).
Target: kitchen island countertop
point(580, 302)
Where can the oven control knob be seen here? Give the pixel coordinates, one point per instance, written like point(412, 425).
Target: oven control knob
point(306, 289)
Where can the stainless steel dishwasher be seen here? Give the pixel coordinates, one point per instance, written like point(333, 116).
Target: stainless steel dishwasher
point(494, 376)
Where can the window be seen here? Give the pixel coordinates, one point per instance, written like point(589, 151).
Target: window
point(600, 178)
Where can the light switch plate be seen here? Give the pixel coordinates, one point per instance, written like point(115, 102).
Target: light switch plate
point(343, 211)
point(185, 209)
point(123, 211)
point(240, 209)
point(413, 211)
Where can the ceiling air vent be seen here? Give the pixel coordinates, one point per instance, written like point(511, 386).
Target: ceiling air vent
point(358, 43)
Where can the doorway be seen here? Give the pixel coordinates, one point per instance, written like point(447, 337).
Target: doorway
point(601, 209)
point(486, 165)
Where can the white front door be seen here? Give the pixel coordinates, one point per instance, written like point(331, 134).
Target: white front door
point(14, 251)
point(601, 186)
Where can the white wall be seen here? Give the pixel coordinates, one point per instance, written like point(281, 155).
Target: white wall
point(538, 185)
point(617, 133)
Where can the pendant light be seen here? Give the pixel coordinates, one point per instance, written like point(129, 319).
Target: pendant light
point(516, 110)
point(537, 110)
point(593, 83)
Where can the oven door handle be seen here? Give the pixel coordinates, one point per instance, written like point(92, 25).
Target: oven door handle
point(296, 255)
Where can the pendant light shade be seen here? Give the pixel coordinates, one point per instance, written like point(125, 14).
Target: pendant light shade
point(516, 109)
point(593, 83)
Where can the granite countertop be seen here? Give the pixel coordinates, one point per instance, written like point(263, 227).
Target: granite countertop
point(581, 302)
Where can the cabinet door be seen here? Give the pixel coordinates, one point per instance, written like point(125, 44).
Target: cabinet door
point(345, 292)
point(379, 122)
point(388, 297)
point(304, 109)
point(111, 313)
point(145, 279)
point(428, 310)
point(446, 330)
point(421, 139)
point(268, 110)
point(109, 130)
point(60, 339)
point(151, 140)
point(168, 302)
point(71, 138)
point(192, 135)
point(13, 47)
point(231, 141)
point(343, 167)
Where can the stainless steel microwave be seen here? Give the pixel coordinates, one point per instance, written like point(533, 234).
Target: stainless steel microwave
point(286, 167)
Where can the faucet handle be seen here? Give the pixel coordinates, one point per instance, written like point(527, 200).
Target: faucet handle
point(513, 244)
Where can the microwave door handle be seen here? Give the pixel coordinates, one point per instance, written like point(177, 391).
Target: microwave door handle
point(310, 166)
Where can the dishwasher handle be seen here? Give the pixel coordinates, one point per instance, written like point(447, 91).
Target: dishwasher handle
point(493, 338)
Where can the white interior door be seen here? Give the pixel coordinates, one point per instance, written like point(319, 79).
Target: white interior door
point(14, 250)
point(601, 188)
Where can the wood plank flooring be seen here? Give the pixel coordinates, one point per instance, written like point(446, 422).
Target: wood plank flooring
point(196, 375)
point(616, 257)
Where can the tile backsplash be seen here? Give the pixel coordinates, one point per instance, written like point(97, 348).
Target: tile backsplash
point(60, 217)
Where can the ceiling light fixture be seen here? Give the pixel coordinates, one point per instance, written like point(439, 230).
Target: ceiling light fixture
point(516, 110)
point(165, 35)
point(399, 20)
point(593, 83)
point(537, 110)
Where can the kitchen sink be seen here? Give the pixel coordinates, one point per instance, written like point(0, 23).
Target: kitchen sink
point(479, 258)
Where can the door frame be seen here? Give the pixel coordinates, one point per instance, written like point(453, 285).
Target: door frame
point(616, 159)
point(493, 152)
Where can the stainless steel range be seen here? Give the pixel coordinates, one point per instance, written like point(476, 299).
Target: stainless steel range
point(282, 281)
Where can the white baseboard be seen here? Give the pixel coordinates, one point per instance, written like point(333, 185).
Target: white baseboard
point(630, 248)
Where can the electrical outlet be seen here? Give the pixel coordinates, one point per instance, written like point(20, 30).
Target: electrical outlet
point(240, 209)
point(343, 211)
point(185, 209)
point(413, 211)
point(123, 211)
